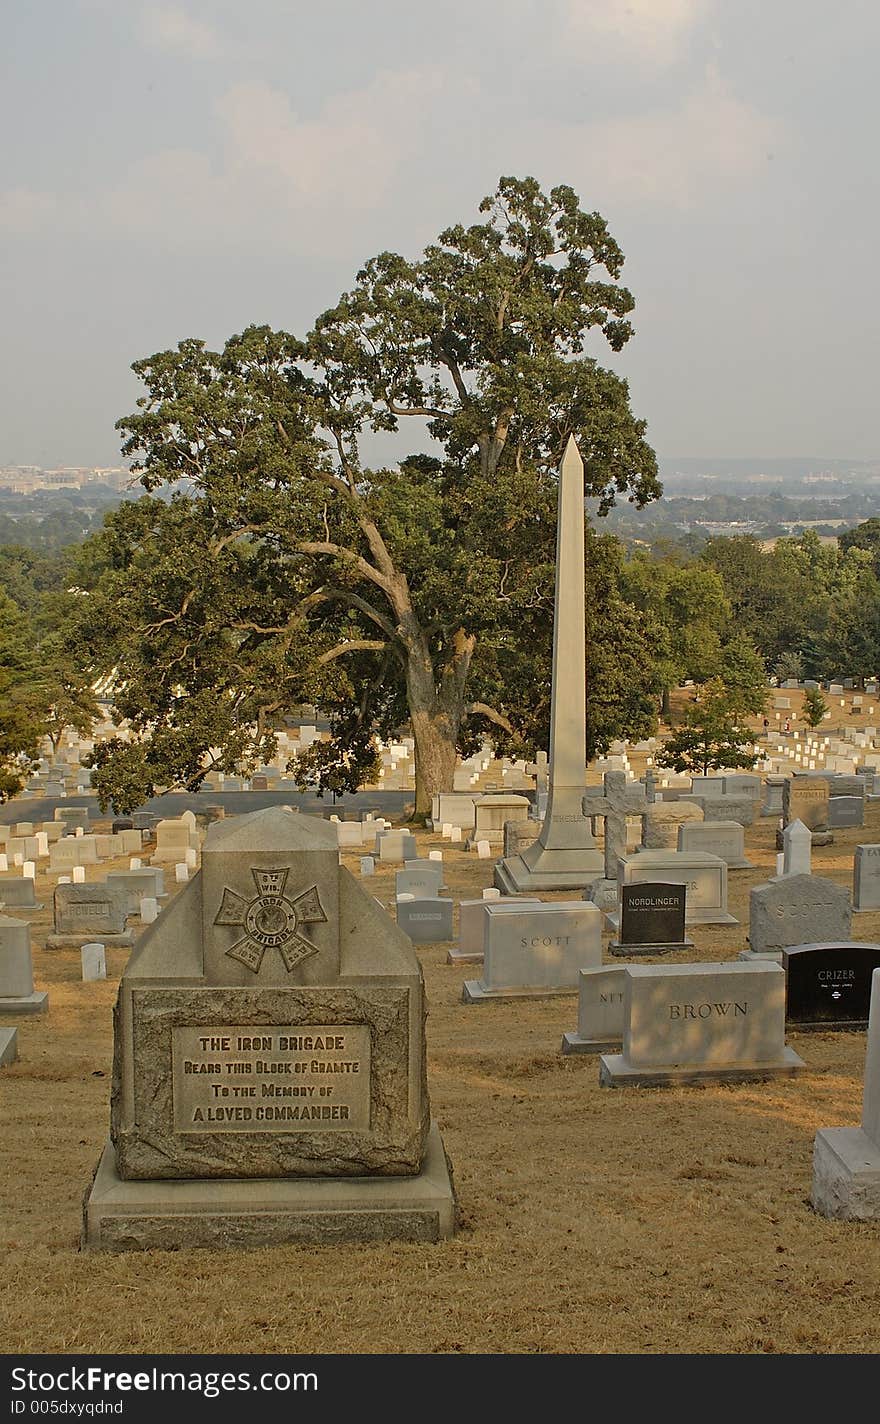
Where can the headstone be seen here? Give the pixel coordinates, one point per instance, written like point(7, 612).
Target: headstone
point(743, 785)
point(8, 1046)
point(565, 855)
point(94, 962)
point(651, 919)
point(452, 809)
point(797, 849)
point(149, 906)
point(491, 813)
point(173, 839)
point(148, 880)
point(82, 912)
point(707, 785)
point(17, 893)
point(725, 839)
point(846, 811)
point(805, 798)
point(690, 1023)
point(866, 878)
point(472, 926)
point(519, 835)
point(600, 1011)
point(617, 801)
point(846, 1160)
point(705, 877)
point(181, 872)
point(396, 846)
point(782, 912)
point(350, 834)
point(427, 920)
point(17, 993)
point(78, 874)
point(829, 985)
point(368, 865)
point(420, 881)
point(661, 822)
point(270, 1060)
point(536, 951)
point(73, 816)
point(724, 808)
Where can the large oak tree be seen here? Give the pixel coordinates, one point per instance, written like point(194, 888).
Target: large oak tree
point(283, 569)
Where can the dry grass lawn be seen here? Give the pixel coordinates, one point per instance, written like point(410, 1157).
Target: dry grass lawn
point(643, 1221)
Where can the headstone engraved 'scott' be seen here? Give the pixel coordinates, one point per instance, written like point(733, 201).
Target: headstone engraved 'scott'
point(269, 1070)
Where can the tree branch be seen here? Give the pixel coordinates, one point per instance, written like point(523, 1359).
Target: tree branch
point(482, 709)
point(356, 645)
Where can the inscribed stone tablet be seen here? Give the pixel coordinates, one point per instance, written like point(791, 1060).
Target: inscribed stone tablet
point(278, 1079)
point(829, 983)
point(652, 913)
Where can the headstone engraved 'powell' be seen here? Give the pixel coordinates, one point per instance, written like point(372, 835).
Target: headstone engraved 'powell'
point(829, 985)
point(652, 917)
point(270, 1059)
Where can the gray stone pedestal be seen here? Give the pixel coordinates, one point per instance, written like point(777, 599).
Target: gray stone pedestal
point(846, 1174)
point(163, 1215)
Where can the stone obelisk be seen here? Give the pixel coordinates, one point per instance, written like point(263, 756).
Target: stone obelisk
point(565, 855)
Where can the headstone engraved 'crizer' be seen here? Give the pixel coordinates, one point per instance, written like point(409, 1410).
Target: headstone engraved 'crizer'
point(269, 1068)
point(829, 985)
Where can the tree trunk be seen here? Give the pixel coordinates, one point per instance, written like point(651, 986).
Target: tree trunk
point(436, 713)
point(436, 753)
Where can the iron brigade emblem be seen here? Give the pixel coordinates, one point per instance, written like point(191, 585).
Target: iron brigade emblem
point(271, 920)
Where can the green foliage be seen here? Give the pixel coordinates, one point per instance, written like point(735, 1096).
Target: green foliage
point(712, 735)
point(790, 665)
point(22, 702)
point(814, 707)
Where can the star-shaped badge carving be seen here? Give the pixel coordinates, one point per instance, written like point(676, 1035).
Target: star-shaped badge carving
point(271, 920)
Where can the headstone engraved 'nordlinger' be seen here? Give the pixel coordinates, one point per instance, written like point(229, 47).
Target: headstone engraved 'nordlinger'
point(269, 1071)
point(652, 919)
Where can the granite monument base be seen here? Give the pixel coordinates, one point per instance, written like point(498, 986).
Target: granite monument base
point(556, 870)
point(616, 947)
point(615, 1072)
point(846, 1175)
point(473, 992)
point(36, 1003)
point(575, 1043)
point(172, 1214)
point(76, 941)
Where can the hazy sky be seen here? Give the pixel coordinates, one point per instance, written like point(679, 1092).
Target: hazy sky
point(176, 170)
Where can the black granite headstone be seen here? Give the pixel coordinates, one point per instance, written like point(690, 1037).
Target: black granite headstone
point(122, 823)
point(829, 985)
point(652, 913)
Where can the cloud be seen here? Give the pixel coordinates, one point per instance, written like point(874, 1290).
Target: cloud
point(26, 210)
point(655, 31)
point(672, 158)
point(170, 28)
point(294, 181)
